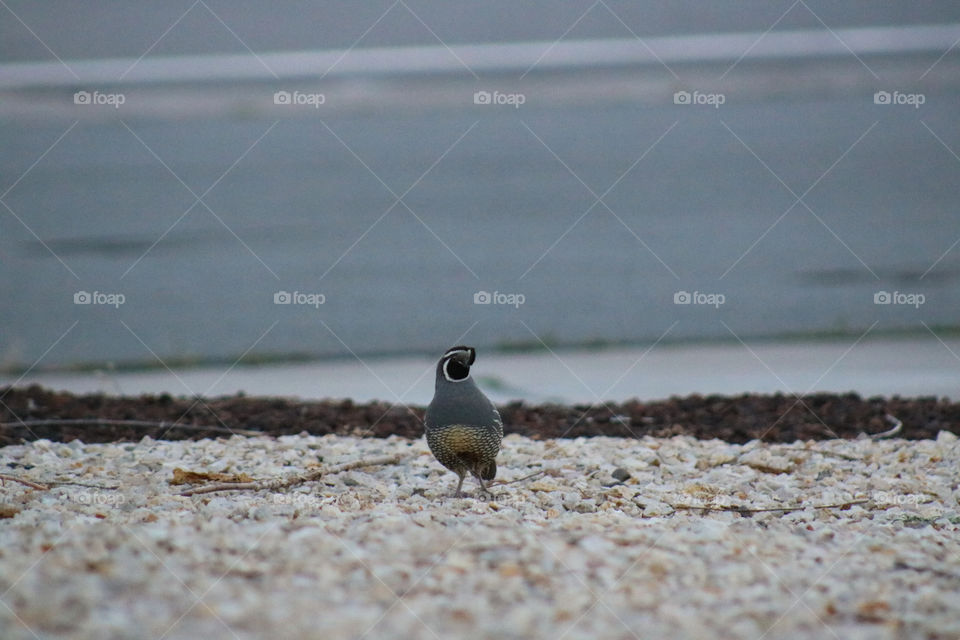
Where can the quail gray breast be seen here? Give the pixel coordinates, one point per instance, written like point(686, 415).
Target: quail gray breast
point(463, 428)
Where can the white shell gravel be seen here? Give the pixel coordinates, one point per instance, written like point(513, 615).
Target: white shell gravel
point(385, 552)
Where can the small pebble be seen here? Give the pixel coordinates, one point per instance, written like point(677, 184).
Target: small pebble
point(620, 474)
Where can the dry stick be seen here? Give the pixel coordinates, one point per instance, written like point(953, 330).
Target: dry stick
point(783, 509)
point(57, 422)
point(65, 483)
point(33, 485)
point(937, 572)
point(897, 426)
point(823, 453)
point(499, 483)
point(290, 481)
point(53, 483)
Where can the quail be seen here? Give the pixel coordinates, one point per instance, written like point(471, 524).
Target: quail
point(463, 428)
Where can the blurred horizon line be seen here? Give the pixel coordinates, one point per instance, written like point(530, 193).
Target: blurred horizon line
point(812, 338)
point(490, 57)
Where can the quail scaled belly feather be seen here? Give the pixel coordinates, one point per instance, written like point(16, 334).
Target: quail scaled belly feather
point(463, 428)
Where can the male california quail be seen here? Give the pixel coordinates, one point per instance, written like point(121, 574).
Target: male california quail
point(463, 427)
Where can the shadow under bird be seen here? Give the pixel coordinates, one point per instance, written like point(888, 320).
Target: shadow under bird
point(463, 428)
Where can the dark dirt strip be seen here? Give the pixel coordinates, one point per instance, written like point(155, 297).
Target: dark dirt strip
point(772, 418)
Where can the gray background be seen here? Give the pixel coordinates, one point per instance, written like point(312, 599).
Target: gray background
point(298, 211)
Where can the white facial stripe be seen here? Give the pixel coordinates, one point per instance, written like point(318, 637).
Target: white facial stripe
point(446, 374)
point(453, 351)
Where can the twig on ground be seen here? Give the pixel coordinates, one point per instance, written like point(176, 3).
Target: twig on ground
point(499, 483)
point(33, 485)
point(293, 480)
point(801, 507)
point(897, 426)
point(53, 483)
point(899, 564)
point(823, 453)
point(66, 483)
point(143, 424)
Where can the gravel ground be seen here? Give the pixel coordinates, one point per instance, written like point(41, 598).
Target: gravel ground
point(598, 545)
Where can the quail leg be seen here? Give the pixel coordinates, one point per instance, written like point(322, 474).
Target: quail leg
point(458, 493)
point(483, 486)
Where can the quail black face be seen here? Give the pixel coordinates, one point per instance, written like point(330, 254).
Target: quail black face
point(463, 428)
point(455, 363)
